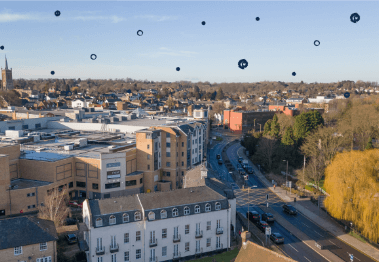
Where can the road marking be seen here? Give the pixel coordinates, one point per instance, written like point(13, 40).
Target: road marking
point(307, 259)
point(354, 257)
point(292, 247)
point(304, 224)
point(318, 233)
point(332, 243)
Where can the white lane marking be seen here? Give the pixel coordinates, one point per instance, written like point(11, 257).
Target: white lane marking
point(332, 243)
point(304, 224)
point(354, 257)
point(292, 247)
point(307, 259)
point(318, 233)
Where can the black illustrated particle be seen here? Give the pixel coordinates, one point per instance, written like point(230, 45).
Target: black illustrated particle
point(178, 69)
point(316, 42)
point(93, 56)
point(203, 23)
point(257, 18)
point(293, 73)
point(57, 13)
point(139, 32)
point(347, 95)
point(52, 72)
point(242, 64)
point(2, 47)
point(355, 18)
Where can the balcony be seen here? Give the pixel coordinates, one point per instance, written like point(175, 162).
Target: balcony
point(219, 231)
point(176, 238)
point(220, 246)
point(177, 255)
point(100, 251)
point(153, 259)
point(198, 251)
point(113, 248)
point(199, 234)
point(153, 242)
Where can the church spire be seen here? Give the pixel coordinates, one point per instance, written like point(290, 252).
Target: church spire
point(6, 63)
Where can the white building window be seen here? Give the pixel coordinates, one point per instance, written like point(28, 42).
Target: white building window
point(187, 246)
point(186, 211)
point(125, 218)
point(187, 227)
point(175, 212)
point(138, 236)
point(43, 259)
point(137, 216)
point(113, 258)
point(112, 220)
point(17, 251)
point(207, 207)
point(164, 233)
point(208, 242)
point(100, 259)
point(42, 246)
point(138, 254)
point(126, 256)
point(99, 222)
point(218, 206)
point(163, 214)
point(208, 225)
point(126, 238)
point(164, 251)
point(151, 215)
point(197, 209)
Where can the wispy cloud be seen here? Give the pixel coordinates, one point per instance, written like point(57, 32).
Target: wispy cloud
point(168, 52)
point(157, 18)
point(8, 16)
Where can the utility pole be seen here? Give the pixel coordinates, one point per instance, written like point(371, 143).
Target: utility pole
point(248, 206)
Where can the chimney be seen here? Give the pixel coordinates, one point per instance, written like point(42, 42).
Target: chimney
point(245, 236)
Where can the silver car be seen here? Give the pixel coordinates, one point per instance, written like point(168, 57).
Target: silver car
point(277, 238)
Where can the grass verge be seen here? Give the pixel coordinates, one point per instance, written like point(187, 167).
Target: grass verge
point(357, 236)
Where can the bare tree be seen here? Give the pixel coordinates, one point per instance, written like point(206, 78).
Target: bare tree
point(266, 149)
point(55, 207)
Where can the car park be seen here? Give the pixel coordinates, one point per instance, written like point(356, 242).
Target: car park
point(253, 216)
point(268, 217)
point(289, 209)
point(277, 238)
point(71, 238)
point(262, 225)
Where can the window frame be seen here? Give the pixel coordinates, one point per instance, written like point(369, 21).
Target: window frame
point(124, 217)
point(165, 247)
point(218, 206)
point(197, 209)
point(136, 215)
point(138, 236)
point(43, 244)
point(186, 229)
point(175, 212)
point(112, 218)
point(99, 222)
point(126, 238)
point(140, 253)
point(208, 207)
point(164, 234)
point(187, 211)
point(165, 214)
point(17, 248)
point(126, 256)
point(151, 215)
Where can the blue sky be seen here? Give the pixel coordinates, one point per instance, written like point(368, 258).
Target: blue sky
point(37, 42)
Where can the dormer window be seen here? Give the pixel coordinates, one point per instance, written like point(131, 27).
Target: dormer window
point(99, 222)
point(125, 218)
point(151, 215)
point(218, 206)
point(112, 220)
point(208, 207)
point(137, 216)
point(197, 209)
point(175, 212)
point(186, 211)
point(163, 214)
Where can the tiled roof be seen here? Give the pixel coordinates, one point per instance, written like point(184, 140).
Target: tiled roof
point(253, 252)
point(23, 231)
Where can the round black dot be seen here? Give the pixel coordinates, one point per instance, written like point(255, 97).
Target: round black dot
point(347, 95)
point(203, 23)
point(243, 63)
point(93, 56)
point(2, 47)
point(52, 72)
point(139, 32)
point(257, 18)
point(293, 73)
point(316, 43)
point(355, 17)
point(178, 69)
point(57, 13)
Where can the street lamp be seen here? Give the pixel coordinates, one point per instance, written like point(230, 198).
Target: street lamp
point(286, 174)
point(254, 124)
point(260, 127)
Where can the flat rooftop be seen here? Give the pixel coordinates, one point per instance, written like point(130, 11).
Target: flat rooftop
point(22, 183)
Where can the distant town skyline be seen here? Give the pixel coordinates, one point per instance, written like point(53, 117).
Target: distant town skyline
point(280, 42)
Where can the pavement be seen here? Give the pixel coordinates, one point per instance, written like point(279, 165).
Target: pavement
point(319, 217)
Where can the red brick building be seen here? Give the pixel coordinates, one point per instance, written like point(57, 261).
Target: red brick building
point(243, 121)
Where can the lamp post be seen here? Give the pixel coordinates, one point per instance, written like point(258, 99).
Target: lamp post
point(248, 209)
point(254, 124)
point(260, 127)
point(286, 174)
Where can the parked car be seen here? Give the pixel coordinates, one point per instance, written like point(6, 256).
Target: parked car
point(240, 159)
point(250, 170)
point(70, 221)
point(75, 204)
point(262, 225)
point(218, 156)
point(220, 161)
point(71, 238)
point(268, 217)
point(239, 165)
point(289, 209)
point(253, 216)
point(277, 238)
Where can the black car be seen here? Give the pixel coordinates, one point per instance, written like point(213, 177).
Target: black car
point(277, 238)
point(253, 216)
point(268, 217)
point(289, 209)
point(70, 221)
point(220, 161)
point(71, 238)
point(262, 225)
point(240, 159)
point(218, 156)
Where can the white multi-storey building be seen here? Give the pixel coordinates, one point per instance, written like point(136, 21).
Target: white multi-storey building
point(154, 227)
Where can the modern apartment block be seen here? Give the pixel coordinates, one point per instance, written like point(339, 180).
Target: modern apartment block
point(161, 226)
